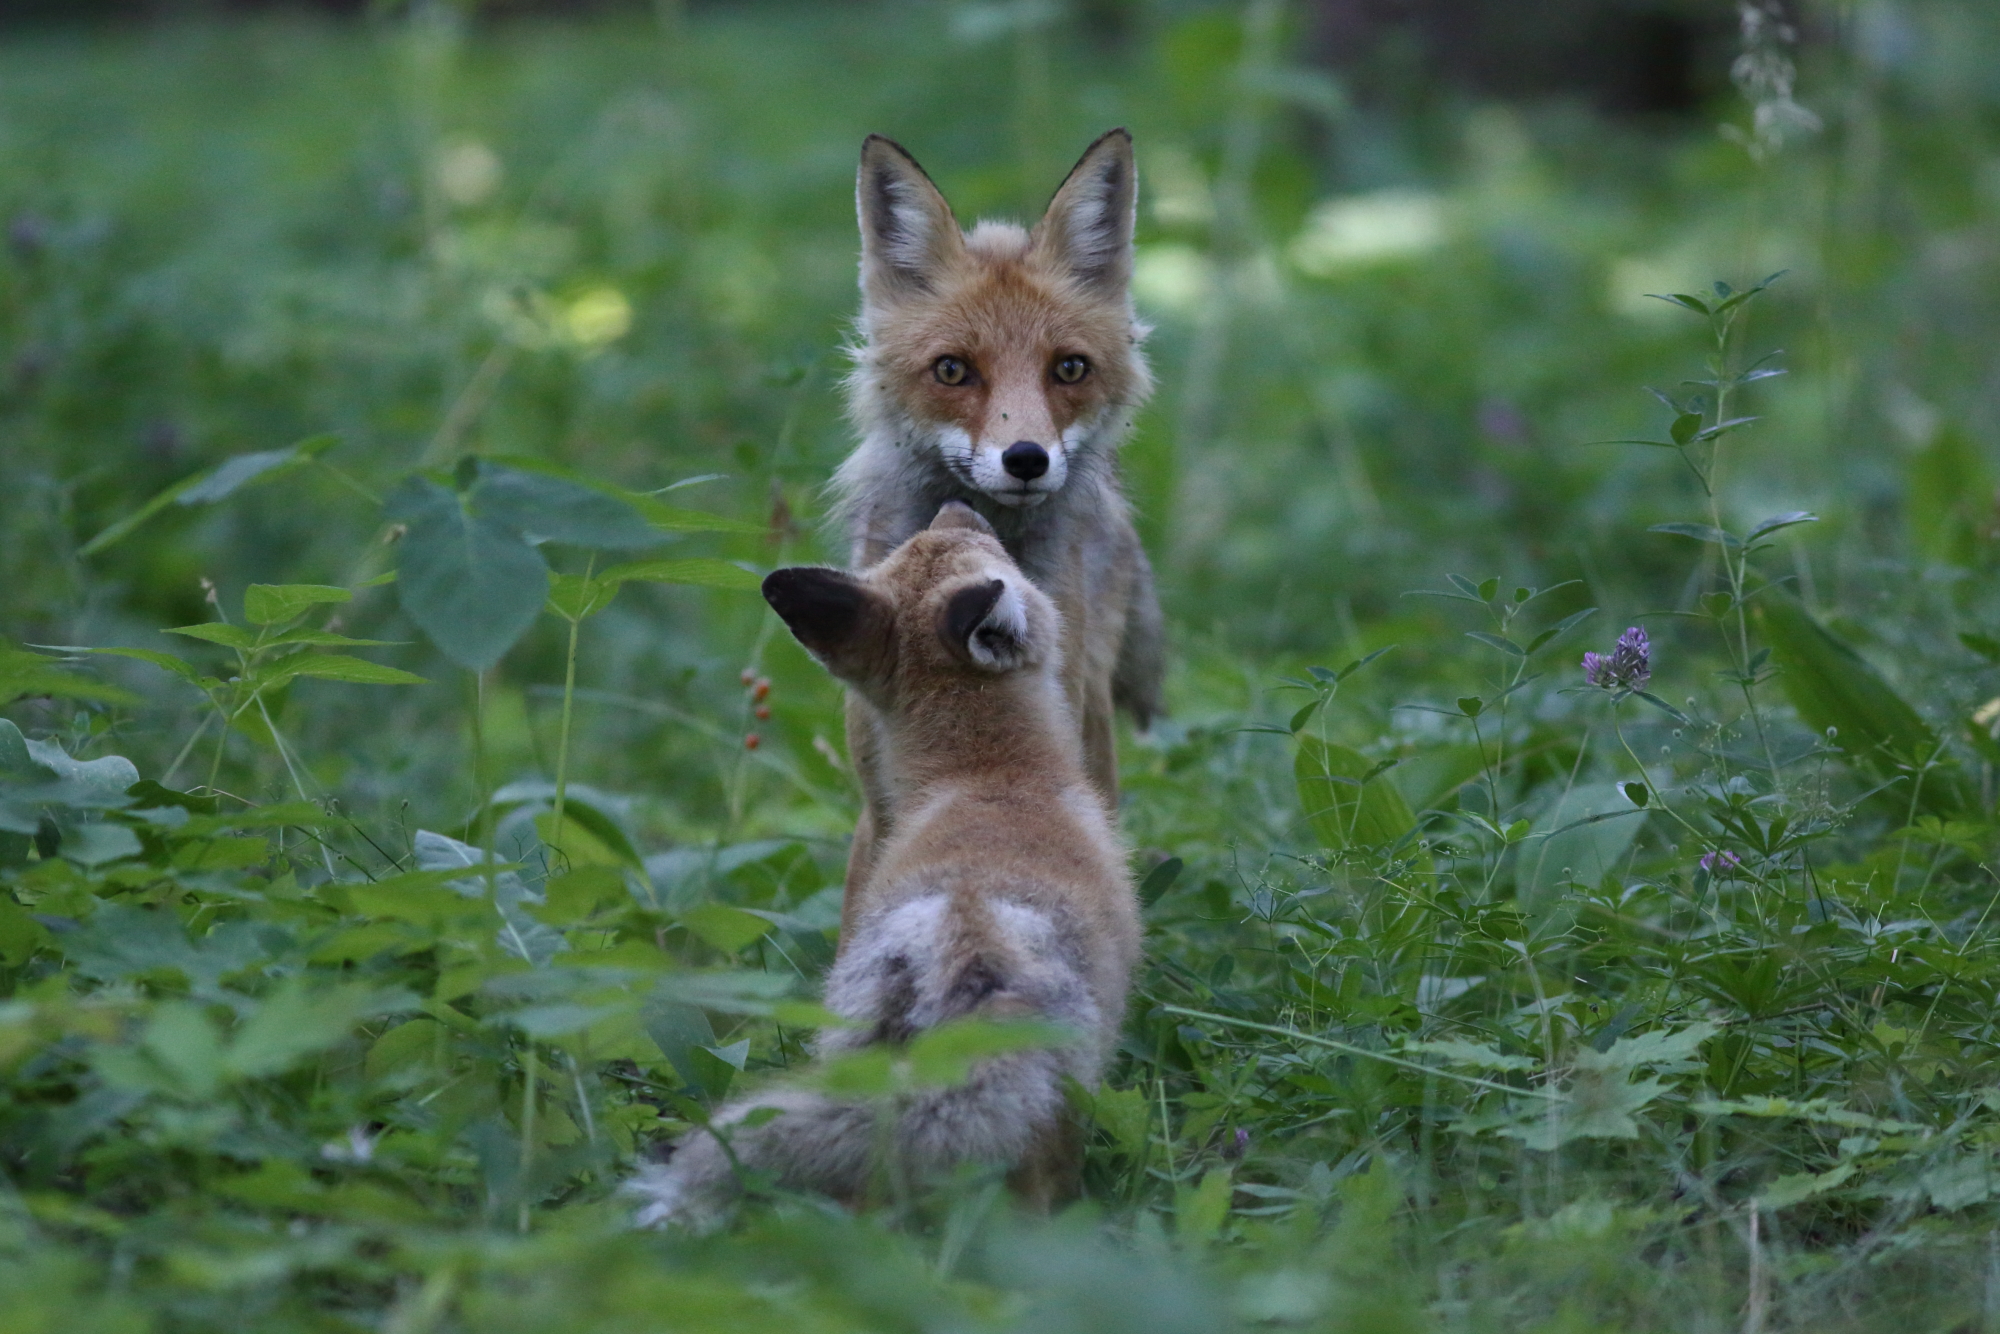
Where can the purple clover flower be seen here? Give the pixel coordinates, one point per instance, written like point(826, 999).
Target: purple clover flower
point(1720, 862)
point(1628, 666)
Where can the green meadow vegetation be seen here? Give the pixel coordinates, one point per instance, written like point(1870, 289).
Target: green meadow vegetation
point(410, 815)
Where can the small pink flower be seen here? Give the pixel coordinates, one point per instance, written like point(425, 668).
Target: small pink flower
point(1720, 862)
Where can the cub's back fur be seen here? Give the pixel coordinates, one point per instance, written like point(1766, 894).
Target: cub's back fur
point(1001, 368)
point(1002, 892)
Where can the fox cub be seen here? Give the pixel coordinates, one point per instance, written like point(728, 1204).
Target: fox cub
point(1001, 367)
point(1001, 892)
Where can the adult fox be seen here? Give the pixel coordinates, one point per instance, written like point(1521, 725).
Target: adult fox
point(1001, 891)
point(1001, 368)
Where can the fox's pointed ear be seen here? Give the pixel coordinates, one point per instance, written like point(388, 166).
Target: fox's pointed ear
point(840, 620)
point(986, 623)
point(908, 235)
point(1088, 228)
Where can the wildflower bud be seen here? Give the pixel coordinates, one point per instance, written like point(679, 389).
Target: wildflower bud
point(762, 711)
point(752, 741)
point(762, 690)
point(1627, 667)
point(747, 676)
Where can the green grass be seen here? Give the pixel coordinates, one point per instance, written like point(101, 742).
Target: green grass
point(1481, 1000)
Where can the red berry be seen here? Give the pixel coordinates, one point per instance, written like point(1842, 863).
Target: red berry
point(761, 689)
point(762, 711)
point(751, 741)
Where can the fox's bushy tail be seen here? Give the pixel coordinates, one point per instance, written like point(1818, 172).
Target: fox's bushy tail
point(926, 961)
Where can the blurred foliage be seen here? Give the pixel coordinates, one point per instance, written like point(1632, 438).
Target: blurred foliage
point(408, 815)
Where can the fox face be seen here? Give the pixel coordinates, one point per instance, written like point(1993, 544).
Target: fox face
point(1011, 356)
point(948, 605)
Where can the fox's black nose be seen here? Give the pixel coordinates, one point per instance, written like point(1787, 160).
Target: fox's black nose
point(1025, 459)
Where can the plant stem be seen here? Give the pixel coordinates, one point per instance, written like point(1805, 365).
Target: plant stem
point(528, 1072)
point(569, 696)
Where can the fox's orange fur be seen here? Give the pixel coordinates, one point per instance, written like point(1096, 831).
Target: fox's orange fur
point(967, 346)
point(1001, 890)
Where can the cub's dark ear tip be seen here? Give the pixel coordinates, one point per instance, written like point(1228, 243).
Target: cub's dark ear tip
point(782, 587)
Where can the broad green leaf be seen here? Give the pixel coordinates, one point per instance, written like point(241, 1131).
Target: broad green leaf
point(1342, 810)
point(1948, 498)
point(723, 927)
point(1201, 1210)
point(703, 571)
point(1986, 646)
point(1582, 838)
point(546, 503)
point(296, 1020)
point(1833, 688)
point(218, 483)
point(472, 585)
point(1785, 1191)
point(274, 604)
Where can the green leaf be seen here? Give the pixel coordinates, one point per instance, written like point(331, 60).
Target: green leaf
point(1561, 628)
point(359, 671)
point(1693, 303)
point(1948, 498)
point(295, 1021)
point(217, 632)
point(1700, 532)
point(1476, 1054)
point(1986, 646)
point(1501, 642)
point(472, 585)
point(1471, 706)
point(1684, 427)
point(547, 503)
point(218, 483)
point(1788, 519)
point(29, 675)
point(1343, 808)
point(274, 604)
point(943, 1057)
point(1832, 687)
point(673, 519)
point(575, 598)
point(1304, 715)
point(1201, 1210)
point(723, 927)
point(1583, 837)
point(1159, 880)
point(702, 571)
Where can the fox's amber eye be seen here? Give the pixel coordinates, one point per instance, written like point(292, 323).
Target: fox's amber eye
point(1071, 369)
point(949, 370)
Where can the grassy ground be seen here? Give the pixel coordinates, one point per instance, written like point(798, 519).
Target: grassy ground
point(1477, 997)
